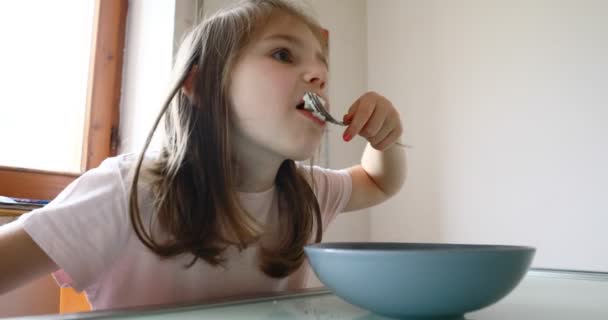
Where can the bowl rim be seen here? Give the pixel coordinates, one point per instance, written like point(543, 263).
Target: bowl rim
point(376, 247)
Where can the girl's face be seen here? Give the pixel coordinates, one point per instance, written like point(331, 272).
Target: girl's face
point(269, 81)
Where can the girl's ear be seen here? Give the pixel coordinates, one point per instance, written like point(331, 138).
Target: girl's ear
point(189, 82)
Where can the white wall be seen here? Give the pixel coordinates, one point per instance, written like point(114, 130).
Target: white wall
point(147, 65)
point(505, 102)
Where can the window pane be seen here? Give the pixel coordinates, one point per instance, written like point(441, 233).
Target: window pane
point(44, 65)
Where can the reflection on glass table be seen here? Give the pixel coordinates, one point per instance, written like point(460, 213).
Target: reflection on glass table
point(543, 294)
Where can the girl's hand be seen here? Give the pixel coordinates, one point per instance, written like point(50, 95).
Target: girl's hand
point(373, 117)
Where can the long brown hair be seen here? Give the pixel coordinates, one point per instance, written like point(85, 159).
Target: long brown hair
point(193, 180)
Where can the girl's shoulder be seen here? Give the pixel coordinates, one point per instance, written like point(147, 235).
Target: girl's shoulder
point(125, 164)
point(324, 179)
point(332, 188)
point(317, 172)
point(127, 161)
point(86, 227)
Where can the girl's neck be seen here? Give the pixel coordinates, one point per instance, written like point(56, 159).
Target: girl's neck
point(254, 178)
point(256, 169)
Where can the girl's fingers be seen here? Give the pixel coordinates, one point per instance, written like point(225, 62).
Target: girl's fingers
point(389, 140)
point(374, 124)
point(372, 117)
point(385, 130)
point(348, 117)
point(361, 113)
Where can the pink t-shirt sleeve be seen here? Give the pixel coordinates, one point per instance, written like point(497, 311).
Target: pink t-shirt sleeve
point(84, 228)
point(333, 190)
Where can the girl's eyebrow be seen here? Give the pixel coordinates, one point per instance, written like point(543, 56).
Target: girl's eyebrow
point(295, 41)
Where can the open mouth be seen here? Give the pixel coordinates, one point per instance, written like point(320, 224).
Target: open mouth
point(307, 105)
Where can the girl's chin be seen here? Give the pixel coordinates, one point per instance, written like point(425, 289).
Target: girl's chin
point(304, 153)
point(302, 158)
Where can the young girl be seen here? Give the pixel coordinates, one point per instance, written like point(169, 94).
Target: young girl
point(222, 209)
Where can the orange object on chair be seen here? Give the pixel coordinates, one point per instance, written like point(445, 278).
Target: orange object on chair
point(71, 301)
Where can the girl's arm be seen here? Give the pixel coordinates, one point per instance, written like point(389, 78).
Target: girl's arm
point(382, 171)
point(22, 259)
point(379, 176)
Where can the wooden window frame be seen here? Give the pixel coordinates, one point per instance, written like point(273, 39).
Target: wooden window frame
point(102, 115)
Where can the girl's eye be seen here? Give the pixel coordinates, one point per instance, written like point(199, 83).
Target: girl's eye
point(283, 55)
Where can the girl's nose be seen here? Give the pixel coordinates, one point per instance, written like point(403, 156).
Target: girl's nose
point(316, 76)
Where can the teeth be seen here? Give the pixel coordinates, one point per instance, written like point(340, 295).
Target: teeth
point(318, 115)
point(309, 106)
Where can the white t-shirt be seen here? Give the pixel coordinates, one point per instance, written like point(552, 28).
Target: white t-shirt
point(86, 231)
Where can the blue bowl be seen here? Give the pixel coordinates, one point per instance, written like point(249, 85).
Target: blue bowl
point(419, 280)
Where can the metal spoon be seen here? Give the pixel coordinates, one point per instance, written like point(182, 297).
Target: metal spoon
point(316, 104)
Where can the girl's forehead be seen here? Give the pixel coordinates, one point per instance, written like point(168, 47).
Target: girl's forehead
point(287, 24)
point(280, 18)
point(284, 22)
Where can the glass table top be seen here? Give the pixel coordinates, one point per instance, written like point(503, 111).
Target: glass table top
point(542, 294)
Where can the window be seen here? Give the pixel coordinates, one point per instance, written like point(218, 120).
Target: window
point(72, 52)
point(44, 81)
